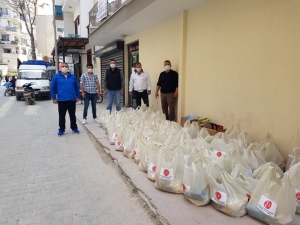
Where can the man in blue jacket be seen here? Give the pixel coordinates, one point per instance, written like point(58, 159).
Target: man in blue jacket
point(65, 92)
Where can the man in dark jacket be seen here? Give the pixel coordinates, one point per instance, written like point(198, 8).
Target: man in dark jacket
point(65, 92)
point(168, 86)
point(113, 85)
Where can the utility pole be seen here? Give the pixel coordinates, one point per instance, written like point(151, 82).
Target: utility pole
point(55, 40)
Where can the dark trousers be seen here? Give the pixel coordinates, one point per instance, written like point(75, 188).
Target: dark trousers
point(168, 105)
point(93, 98)
point(139, 96)
point(63, 107)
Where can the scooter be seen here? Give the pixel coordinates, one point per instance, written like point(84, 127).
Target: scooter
point(28, 94)
point(9, 90)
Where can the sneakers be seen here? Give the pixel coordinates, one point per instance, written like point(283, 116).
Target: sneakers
point(76, 131)
point(84, 121)
point(60, 132)
point(97, 120)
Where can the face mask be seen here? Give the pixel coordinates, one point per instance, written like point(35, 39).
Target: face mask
point(167, 67)
point(90, 70)
point(113, 65)
point(138, 69)
point(64, 70)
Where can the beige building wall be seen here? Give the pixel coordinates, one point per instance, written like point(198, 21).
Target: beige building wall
point(238, 63)
point(45, 34)
point(243, 67)
point(156, 45)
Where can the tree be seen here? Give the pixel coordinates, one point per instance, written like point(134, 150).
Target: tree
point(27, 10)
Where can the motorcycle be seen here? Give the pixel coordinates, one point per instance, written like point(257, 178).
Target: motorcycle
point(9, 90)
point(28, 94)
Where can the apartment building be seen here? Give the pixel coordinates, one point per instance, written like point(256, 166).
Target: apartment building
point(72, 20)
point(15, 41)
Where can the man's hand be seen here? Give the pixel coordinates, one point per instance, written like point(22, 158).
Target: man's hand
point(121, 91)
point(175, 95)
point(149, 92)
point(99, 93)
point(83, 94)
point(55, 102)
point(156, 95)
point(130, 93)
point(105, 92)
point(77, 99)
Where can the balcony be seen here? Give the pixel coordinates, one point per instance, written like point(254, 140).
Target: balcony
point(59, 15)
point(10, 16)
point(100, 13)
point(69, 5)
point(15, 29)
point(73, 36)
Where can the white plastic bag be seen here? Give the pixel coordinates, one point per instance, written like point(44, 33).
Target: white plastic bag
point(195, 185)
point(128, 143)
point(273, 200)
point(232, 132)
point(253, 156)
point(152, 160)
point(226, 194)
point(258, 173)
point(143, 164)
point(191, 129)
point(292, 157)
point(294, 177)
point(170, 171)
point(140, 146)
point(119, 140)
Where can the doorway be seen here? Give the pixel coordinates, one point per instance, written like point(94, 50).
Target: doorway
point(133, 58)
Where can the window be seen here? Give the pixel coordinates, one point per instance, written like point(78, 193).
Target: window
point(89, 56)
point(7, 50)
point(77, 23)
point(23, 41)
point(4, 37)
point(3, 11)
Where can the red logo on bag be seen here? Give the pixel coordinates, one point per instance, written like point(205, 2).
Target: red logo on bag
point(218, 195)
point(134, 152)
point(268, 204)
point(219, 154)
point(248, 196)
point(183, 187)
point(166, 172)
point(154, 168)
point(298, 196)
point(116, 135)
point(119, 143)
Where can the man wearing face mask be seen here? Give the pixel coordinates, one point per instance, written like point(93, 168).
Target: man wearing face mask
point(140, 85)
point(113, 85)
point(168, 86)
point(90, 90)
point(65, 92)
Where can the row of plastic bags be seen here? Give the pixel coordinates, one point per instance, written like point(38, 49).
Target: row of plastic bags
point(225, 169)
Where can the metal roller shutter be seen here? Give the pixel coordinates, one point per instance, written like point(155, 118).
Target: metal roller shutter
point(118, 56)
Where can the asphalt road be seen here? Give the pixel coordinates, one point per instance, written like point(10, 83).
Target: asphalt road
point(46, 179)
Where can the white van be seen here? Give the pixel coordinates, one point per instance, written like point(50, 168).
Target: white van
point(37, 76)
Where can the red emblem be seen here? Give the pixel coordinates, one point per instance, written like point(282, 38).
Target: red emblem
point(218, 195)
point(219, 154)
point(183, 187)
point(268, 204)
point(116, 135)
point(298, 196)
point(119, 143)
point(134, 152)
point(248, 196)
point(166, 172)
point(154, 168)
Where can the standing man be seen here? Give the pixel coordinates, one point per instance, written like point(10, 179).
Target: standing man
point(65, 92)
point(113, 85)
point(90, 90)
point(140, 85)
point(168, 86)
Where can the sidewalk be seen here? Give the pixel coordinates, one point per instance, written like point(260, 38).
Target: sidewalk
point(170, 208)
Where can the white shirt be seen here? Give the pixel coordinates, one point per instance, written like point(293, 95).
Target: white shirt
point(139, 82)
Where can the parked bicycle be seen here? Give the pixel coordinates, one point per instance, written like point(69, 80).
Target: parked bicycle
point(99, 99)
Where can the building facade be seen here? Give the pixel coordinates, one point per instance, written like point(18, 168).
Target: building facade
point(15, 41)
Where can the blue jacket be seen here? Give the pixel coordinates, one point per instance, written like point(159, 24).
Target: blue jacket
point(64, 88)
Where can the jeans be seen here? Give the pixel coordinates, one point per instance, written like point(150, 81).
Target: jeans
point(63, 107)
point(111, 95)
point(93, 98)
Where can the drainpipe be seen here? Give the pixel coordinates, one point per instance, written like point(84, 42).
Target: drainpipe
point(55, 40)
